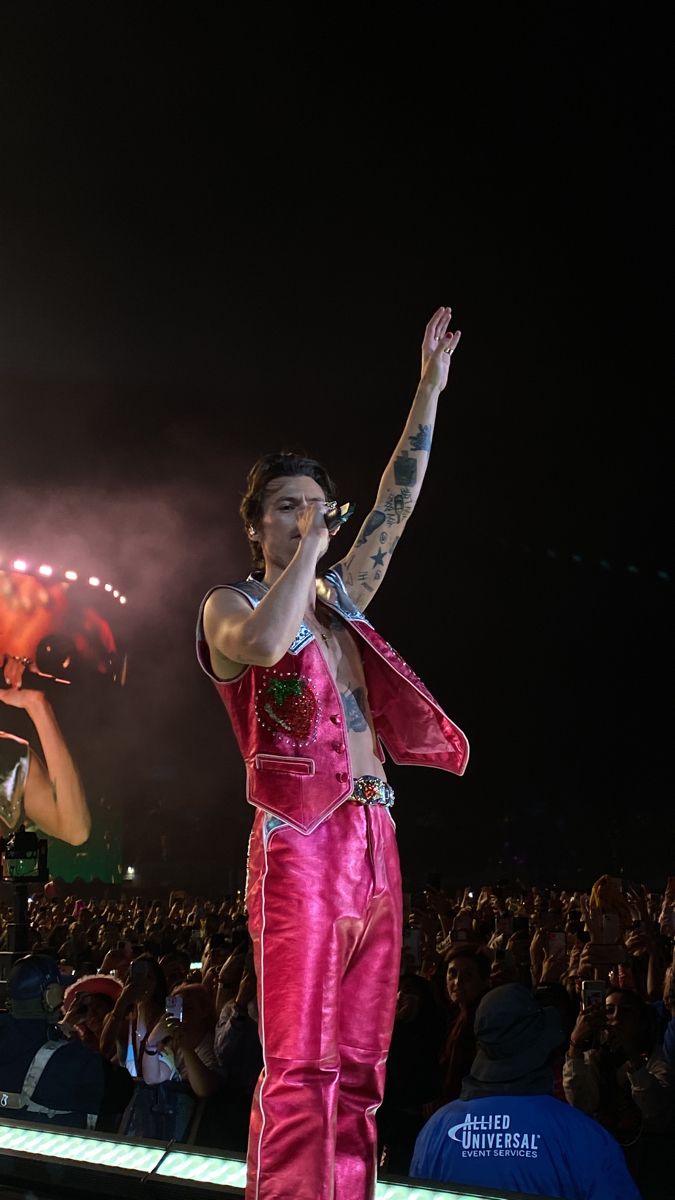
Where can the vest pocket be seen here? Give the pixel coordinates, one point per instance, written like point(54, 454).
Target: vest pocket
point(281, 763)
point(283, 786)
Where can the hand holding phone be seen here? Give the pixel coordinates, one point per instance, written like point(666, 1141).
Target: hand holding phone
point(173, 1007)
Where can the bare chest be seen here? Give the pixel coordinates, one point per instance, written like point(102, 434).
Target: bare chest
point(340, 651)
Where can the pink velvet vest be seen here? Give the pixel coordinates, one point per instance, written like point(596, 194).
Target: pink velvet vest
point(288, 719)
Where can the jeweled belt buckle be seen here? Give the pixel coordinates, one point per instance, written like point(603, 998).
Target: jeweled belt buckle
point(368, 789)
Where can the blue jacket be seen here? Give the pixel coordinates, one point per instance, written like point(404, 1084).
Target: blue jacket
point(532, 1144)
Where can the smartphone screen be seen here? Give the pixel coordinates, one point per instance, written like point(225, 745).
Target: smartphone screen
point(592, 993)
point(557, 942)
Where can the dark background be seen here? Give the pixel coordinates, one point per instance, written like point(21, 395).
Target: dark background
point(223, 234)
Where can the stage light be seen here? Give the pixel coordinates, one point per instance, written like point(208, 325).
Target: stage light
point(72, 1150)
point(94, 580)
point(45, 570)
point(72, 575)
point(115, 593)
point(215, 1171)
point(19, 564)
point(108, 587)
point(78, 1149)
point(123, 599)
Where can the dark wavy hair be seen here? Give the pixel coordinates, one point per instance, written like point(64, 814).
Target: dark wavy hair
point(273, 466)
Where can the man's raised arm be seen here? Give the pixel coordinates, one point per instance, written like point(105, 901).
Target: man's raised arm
point(363, 568)
point(54, 797)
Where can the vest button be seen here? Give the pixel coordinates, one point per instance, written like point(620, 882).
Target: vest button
point(339, 747)
point(335, 718)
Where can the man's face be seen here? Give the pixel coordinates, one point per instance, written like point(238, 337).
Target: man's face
point(277, 531)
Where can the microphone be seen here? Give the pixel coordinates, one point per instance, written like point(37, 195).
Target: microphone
point(337, 515)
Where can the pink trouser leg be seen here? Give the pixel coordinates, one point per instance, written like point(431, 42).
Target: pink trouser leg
point(325, 918)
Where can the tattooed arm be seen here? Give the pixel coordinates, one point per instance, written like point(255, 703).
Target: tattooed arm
point(363, 568)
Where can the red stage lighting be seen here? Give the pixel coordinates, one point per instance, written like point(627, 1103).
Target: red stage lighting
point(63, 623)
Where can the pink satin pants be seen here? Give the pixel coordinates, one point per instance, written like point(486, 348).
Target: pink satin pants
point(325, 917)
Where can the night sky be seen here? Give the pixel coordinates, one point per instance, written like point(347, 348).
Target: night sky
point(223, 234)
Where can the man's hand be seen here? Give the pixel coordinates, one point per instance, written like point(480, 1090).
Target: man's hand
point(15, 694)
point(438, 347)
point(311, 519)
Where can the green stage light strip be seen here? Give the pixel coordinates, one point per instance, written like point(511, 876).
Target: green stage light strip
point(201, 1169)
point(197, 1168)
point(96, 1151)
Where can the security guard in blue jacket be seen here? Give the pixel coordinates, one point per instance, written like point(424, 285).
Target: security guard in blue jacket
point(46, 1076)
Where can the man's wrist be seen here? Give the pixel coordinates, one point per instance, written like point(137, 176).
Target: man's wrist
point(428, 390)
point(38, 702)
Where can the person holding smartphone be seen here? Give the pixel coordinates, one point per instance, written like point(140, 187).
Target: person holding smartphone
point(314, 695)
point(137, 1010)
point(183, 1038)
point(616, 1072)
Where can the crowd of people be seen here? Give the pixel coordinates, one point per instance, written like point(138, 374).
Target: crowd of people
point(162, 996)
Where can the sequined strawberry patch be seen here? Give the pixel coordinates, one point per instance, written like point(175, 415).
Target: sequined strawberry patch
point(289, 705)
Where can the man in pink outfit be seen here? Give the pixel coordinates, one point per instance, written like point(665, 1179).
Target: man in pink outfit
point(315, 696)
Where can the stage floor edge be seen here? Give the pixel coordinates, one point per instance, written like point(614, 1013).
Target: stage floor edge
point(78, 1161)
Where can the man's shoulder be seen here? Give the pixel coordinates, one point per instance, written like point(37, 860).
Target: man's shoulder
point(332, 590)
point(542, 1106)
point(447, 1114)
point(250, 589)
point(70, 1056)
